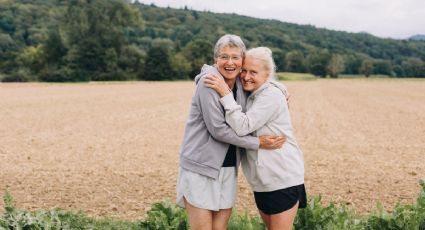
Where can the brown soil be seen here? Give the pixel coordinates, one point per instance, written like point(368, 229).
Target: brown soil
point(111, 149)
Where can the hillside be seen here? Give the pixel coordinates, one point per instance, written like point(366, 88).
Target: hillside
point(51, 40)
point(189, 25)
point(286, 36)
point(417, 37)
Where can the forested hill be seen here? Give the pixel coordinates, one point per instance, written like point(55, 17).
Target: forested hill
point(52, 40)
point(417, 37)
point(294, 45)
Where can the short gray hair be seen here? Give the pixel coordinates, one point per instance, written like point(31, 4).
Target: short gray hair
point(230, 40)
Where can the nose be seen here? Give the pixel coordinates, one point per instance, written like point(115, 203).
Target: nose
point(244, 74)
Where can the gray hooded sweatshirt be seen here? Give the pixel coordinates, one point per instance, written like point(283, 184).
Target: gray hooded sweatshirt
point(267, 114)
point(207, 136)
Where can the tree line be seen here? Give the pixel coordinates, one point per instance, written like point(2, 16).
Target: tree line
point(89, 40)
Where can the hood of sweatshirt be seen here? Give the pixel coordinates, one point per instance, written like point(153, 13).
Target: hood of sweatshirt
point(280, 86)
point(207, 69)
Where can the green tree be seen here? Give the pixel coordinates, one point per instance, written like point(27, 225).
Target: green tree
point(414, 67)
point(295, 62)
point(279, 59)
point(199, 52)
point(131, 60)
point(399, 71)
point(382, 67)
point(366, 68)
point(181, 66)
point(352, 63)
point(32, 58)
point(54, 49)
point(158, 65)
point(95, 30)
point(318, 62)
point(335, 65)
point(8, 50)
point(7, 24)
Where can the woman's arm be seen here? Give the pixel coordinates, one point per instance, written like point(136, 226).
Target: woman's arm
point(264, 108)
point(218, 84)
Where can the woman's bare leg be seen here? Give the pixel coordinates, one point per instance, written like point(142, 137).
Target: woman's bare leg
point(283, 220)
point(221, 218)
point(199, 219)
point(266, 218)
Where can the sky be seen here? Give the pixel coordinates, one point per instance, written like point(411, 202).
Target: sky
point(383, 18)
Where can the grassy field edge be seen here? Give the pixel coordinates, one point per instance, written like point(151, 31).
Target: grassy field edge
point(165, 215)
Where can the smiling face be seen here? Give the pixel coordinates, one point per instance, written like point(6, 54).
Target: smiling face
point(229, 62)
point(253, 74)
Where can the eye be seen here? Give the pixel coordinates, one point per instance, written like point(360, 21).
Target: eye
point(224, 57)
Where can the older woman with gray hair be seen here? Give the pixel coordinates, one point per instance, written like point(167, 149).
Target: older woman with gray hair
point(209, 155)
point(275, 176)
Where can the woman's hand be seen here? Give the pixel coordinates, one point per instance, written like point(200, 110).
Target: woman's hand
point(218, 84)
point(271, 142)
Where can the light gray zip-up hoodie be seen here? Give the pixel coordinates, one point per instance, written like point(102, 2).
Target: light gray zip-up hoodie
point(207, 136)
point(267, 114)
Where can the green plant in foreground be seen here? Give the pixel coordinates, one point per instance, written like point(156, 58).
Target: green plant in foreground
point(239, 221)
point(165, 215)
point(15, 219)
point(405, 216)
point(54, 219)
point(316, 216)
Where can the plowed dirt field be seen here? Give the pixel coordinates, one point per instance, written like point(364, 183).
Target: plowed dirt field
point(111, 149)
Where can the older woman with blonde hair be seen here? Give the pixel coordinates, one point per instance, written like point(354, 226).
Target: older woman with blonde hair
point(275, 176)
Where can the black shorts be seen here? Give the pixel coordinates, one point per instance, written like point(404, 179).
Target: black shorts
point(278, 201)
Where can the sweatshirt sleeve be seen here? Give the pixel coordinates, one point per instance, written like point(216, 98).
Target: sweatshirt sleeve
point(213, 115)
point(263, 109)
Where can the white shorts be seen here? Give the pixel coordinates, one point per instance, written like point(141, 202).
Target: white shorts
point(205, 192)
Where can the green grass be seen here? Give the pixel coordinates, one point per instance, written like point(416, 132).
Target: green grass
point(288, 76)
point(363, 76)
point(166, 215)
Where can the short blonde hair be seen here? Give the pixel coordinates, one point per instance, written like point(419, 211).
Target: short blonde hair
point(264, 55)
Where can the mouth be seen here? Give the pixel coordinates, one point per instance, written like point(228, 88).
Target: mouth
point(230, 69)
point(247, 82)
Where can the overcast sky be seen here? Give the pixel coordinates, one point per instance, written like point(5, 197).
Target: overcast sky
point(383, 18)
